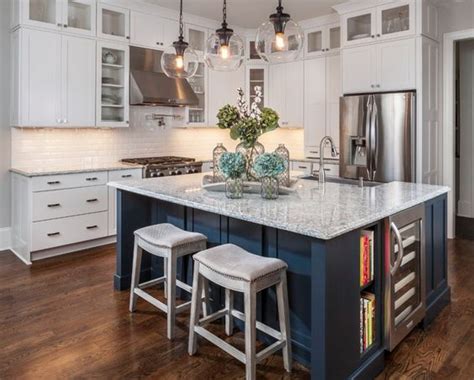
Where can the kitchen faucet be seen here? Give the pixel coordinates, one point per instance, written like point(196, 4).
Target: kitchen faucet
point(324, 141)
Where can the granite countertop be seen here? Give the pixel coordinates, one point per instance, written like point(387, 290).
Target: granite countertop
point(320, 211)
point(37, 171)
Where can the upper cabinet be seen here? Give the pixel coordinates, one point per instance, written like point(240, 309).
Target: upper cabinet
point(257, 76)
point(251, 51)
point(151, 31)
point(72, 16)
point(323, 40)
point(55, 89)
point(392, 20)
point(113, 22)
point(196, 36)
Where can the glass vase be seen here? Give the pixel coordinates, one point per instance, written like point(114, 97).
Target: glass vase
point(284, 178)
point(234, 188)
point(250, 153)
point(269, 188)
point(216, 156)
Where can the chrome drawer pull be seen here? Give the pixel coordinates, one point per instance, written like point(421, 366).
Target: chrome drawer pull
point(54, 205)
point(54, 234)
point(92, 200)
point(92, 179)
point(92, 227)
point(54, 182)
point(126, 176)
point(302, 167)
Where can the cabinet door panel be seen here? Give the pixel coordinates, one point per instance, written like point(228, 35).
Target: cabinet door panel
point(170, 32)
point(277, 88)
point(396, 65)
point(358, 68)
point(223, 90)
point(79, 81)
point(315, 102)
point(294, 91)
point(147, 30)
point(41, 79)
point(42, 13)
point(333, 93)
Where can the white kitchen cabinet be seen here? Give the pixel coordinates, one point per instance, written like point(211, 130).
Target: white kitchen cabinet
point(257, 76)
point(53, 89)
point(112, 85)
point(387, 66)
point(113, 23)
point(148, 30)
point(196, 36)
point(223, 90)
point(322, 40)
point(197, 115)
point(72, 16)
point(286, 92)
point(78, 81)
point(392, 20)
point(251, 51)
point(321, 102)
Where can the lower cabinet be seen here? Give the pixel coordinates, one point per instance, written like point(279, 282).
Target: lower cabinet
point(63, 213)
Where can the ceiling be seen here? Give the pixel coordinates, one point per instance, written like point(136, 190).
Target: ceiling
point(251, 13)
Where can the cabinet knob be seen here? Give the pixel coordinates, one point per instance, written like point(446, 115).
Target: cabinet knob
point(372, 86)
point(65, 25)
point(378, 86)
point(59, 24)
point(378, 35)
point(373, 36)
point(127, 37)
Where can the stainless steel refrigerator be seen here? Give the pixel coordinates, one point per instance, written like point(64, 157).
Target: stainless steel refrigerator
point(377, 133)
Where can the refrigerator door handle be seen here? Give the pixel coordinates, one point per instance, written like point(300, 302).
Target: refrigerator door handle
point(368, 137)
point(374, 136)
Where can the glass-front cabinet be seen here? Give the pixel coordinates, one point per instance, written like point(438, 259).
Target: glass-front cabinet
point(393, 20)
point(74, 16)
point(257, 78)
point(113, 81)
point(196, 37)
point(322, 40)
point(113, 22)
point(197, 115)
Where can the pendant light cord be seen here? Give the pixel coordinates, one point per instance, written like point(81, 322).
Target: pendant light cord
point(280, 7)
point(181, 32)
point(224, 14)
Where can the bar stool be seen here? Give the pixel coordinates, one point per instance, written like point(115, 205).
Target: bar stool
point(238, 270)
point(169, 242)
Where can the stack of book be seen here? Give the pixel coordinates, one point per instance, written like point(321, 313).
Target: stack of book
point(366, 257)
point(367, 320)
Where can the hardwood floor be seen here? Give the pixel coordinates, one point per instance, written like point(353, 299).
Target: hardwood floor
point(61, 318)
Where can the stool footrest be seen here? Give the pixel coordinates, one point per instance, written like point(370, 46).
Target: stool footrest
point(213, 317)
point(259, 325)
point(231, 350)
point(184, 286)
point(158, 304)
point(153, 282)
point(271, 349)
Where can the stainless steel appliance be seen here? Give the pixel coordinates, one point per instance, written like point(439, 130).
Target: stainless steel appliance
point(377, 137)
point(404, 274)
point(149, 86)
point(166, 166)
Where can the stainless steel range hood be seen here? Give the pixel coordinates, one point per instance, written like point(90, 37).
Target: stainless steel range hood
point(149, 86)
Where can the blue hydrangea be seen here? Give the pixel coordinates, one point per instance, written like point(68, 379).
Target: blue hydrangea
point(269, 165)
point(232, 165)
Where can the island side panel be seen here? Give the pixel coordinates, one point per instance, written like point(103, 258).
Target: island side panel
point(438, 292)
point(133, 212)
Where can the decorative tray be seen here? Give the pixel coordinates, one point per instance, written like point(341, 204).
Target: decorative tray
point(249, 187)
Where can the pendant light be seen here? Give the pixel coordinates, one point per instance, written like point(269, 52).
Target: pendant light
point(280, 39)
point(179, 60)
point(224, 49)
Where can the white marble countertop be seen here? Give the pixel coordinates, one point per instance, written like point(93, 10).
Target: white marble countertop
point(323, 212)
point(37, 171)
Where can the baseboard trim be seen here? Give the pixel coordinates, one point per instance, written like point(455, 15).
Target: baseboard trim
point(5, 238)
point(20, 257)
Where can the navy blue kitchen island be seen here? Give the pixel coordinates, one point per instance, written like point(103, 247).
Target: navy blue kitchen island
point(317, 231)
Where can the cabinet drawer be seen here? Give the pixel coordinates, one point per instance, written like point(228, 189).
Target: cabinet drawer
point(301, 166)
point(65, 181)
point(311, 152)
point(332, 169)
point(75, 229)
point(121, 175)
point(69, 202)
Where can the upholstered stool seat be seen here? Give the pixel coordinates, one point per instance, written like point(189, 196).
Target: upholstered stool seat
point(238, 270)
point(170, 243)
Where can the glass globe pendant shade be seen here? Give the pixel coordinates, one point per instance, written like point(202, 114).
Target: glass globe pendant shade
point(280, 39)
point(179, 60)
point(224, 54)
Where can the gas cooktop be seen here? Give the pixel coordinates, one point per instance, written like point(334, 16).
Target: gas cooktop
point(166, 165)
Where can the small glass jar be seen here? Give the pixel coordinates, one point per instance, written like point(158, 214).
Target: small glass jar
point(269, 188)
point(216, 156)
point(234, 188)
point(283, 152)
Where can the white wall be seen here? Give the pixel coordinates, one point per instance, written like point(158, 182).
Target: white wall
point(4, 117)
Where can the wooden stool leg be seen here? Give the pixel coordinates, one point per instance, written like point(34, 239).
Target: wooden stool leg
point(171, 282)
point(195, 309)
point(284, 318)
point(165, 270)
point(136, 268)
point(250, 333)
point(229, 305)
point(205, 294)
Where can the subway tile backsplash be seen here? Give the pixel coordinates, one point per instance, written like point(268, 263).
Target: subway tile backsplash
point(143, 138)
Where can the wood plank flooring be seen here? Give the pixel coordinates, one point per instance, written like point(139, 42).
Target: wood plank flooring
point(61, 318)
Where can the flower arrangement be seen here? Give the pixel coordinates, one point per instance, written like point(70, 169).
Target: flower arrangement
point(245, 124)
point(269, 165)
point(232, 165)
